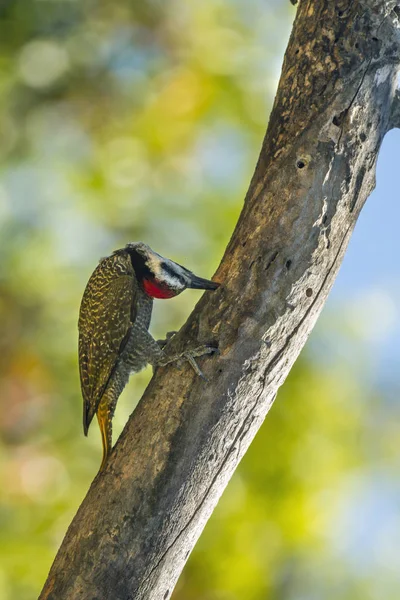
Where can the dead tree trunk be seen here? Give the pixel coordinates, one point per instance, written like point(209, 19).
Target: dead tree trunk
point(335, 102)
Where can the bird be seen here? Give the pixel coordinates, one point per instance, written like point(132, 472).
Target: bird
point(113, 326)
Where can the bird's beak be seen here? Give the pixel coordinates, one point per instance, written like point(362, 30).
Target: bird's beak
point(198, 283)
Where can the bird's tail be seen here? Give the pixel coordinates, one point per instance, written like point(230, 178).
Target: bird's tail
point(105, 424)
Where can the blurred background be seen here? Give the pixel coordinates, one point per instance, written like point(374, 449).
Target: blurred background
point(142, 120)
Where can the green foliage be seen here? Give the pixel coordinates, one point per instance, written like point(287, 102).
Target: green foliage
point(143, 120)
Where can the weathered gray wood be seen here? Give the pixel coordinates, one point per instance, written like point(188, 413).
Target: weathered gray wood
point(140, 520)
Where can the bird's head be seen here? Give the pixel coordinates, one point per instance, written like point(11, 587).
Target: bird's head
point(161, 277)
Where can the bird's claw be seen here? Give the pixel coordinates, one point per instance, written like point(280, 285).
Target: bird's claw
point(163, 343)
point(190, 355)
point(187, 356)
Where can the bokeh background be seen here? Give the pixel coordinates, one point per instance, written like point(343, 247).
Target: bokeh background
point(130, 120)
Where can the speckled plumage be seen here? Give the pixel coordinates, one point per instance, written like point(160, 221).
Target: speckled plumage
point(114, 319)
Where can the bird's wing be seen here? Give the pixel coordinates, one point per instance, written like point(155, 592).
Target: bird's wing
point(105, 319)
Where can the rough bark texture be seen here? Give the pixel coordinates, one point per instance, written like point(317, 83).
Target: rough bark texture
point(142, 517)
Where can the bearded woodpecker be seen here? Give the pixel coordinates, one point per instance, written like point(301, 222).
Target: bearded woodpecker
point(114, 320)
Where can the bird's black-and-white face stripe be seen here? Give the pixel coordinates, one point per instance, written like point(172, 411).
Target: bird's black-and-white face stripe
point(172, 275)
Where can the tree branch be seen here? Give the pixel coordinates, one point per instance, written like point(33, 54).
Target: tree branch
point(142, 517)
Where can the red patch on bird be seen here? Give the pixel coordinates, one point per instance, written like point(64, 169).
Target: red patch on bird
point(155, 289)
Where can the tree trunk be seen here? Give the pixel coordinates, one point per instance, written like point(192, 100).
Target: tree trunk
point(141, 518)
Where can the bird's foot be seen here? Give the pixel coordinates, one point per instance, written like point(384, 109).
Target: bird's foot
point(186, 356)
point(163, 343)
point(190, 355)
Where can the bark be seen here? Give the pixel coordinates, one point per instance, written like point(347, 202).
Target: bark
point(141, 518)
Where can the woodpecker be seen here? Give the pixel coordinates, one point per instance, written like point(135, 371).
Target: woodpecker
point(114, 320)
